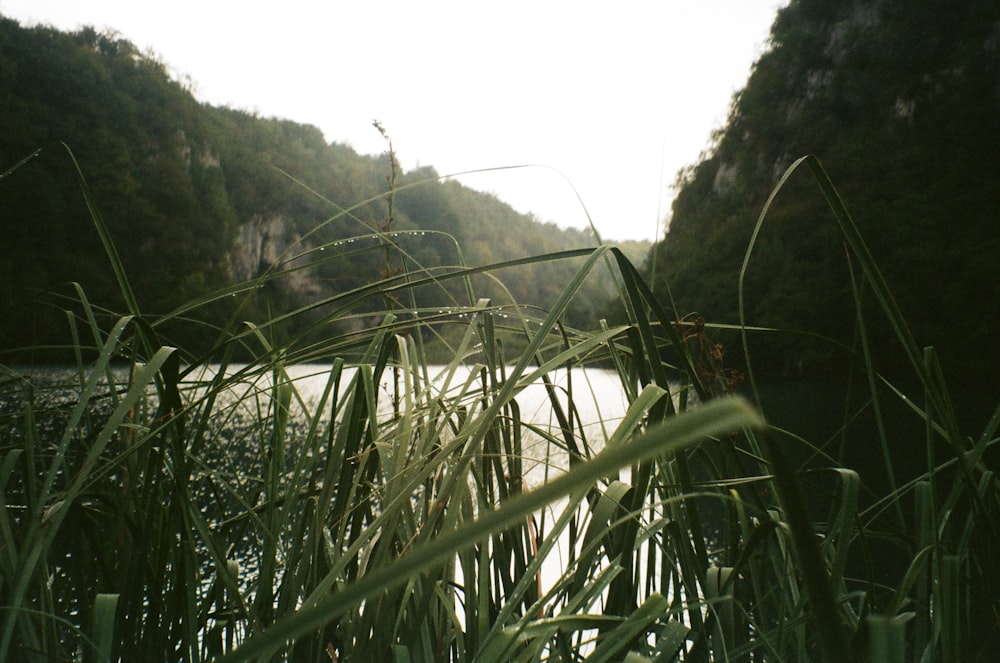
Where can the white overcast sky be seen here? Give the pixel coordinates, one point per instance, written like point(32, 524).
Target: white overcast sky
point(613, 97)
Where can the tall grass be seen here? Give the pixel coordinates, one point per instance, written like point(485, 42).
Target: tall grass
point(158, 505)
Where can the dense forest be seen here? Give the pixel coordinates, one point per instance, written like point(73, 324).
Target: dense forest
point(197, 198)
point(900, 102)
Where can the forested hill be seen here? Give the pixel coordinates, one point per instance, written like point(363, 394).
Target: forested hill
point(198, 197)
point(900, 102)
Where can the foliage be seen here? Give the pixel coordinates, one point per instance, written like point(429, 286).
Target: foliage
point(197, 198)
point(154, 509)
point(180, 492)
point(901, 101)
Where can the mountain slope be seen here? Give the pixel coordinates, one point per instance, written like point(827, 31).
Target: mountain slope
point(901, 103)
point(198, 198)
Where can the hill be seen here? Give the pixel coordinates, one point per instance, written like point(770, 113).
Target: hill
point(900, 101)
point(198, 198)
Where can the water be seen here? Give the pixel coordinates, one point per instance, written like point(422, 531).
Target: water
point(598, 398)
point(598, 402)
point(242, 419)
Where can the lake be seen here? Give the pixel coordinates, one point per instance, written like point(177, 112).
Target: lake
point(597, 395)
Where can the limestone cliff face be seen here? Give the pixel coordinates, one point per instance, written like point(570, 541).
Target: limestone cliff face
point(271, 243)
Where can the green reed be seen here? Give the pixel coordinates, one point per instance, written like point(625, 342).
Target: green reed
point(162, 505)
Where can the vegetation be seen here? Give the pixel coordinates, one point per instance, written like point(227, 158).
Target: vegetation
point(197, 198)
point(206, 510)
point(900, 101)
point(182, 490)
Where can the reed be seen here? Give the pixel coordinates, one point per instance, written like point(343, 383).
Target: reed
point(162, 505)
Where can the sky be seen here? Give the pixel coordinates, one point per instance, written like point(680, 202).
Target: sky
point(604, 102)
